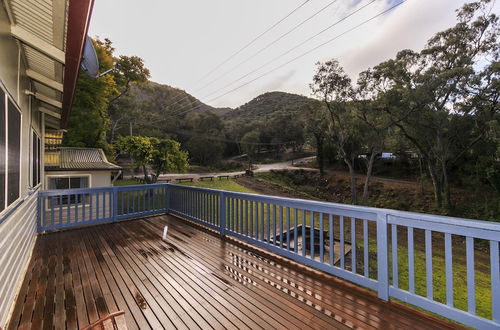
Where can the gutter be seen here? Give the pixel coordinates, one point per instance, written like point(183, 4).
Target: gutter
point(79, 13)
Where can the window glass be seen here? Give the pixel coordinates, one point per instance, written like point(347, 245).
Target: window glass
point(35, 161)
point(2, 150)
point(14, 153)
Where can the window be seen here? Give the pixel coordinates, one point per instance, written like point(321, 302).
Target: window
point(68, 182)
point(10, 151)
point(35, 159)
point(14, 153)
point(3, 156)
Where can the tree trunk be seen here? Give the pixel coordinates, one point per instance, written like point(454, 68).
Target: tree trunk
point(436, 185)
point(368, 177)
point(320, 154)
point(145, 170)
point(113, 130)
point(352, 177)
point(446, 186)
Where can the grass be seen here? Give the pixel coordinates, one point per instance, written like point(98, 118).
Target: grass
point(482, 280)
point(126, 182)
point(228, 185)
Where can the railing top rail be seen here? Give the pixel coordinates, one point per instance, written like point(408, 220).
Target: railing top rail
point(391, 214)
point(57, 192)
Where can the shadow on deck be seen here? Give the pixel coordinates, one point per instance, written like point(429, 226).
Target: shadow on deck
point(193, 280)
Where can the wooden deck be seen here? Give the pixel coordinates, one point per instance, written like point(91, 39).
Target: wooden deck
point(193, 280)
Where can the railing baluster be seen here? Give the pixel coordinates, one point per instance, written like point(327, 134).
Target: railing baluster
point(288, 228)
point(304, 241)
point(91, 206)
point(471, 285)
point(353, 245)
point(495, 280)
point(366, 243)
point(331, 239)
point(52, 210)
point(321, 239)
point(449, 269)
point(394, 236)
point(246, 218)
point(311, 222)
point(76, 208)
point(60, 210)
point(261, 221)
point(268, 223)
point(251, 219)
point(428, 264)
point(274, 224)
point(411, 261)
point(68, 220)
point(281, 227)
point(342, 243)
point(295, 224)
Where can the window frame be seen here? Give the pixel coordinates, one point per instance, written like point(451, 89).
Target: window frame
point(35, 143)
point(6, 99)
point(69, 176)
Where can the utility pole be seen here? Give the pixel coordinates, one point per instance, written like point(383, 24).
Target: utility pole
point(130, 129)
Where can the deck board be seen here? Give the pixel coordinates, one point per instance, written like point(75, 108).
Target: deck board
point(194, 280)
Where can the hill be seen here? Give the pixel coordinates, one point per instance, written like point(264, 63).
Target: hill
point(268, 104)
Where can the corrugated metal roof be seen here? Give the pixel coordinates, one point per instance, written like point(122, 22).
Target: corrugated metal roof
point(82, 159)
point(46, 20)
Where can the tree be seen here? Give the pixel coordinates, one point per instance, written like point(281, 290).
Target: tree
point(429, 95)
point(168, 157)
point(316, 125)
point(249, 144)
point(88, 119)
point(333, 86)
point(163, 155)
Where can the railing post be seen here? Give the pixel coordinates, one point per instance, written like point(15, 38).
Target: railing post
point(222, 213)
point(39, 211)
point(115, 204)
point(382, 256)
point(167, 197)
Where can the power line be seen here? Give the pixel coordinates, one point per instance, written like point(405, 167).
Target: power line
point(311, 50)
point(252, 41)
point(266, 46)
point(299, 56)
point(245, 46)
point(293, 48)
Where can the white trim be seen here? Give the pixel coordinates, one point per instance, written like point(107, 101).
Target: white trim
point(48, 176)
point(8, 98)
point(35, 42)
point(44, 80)
point(33, 142)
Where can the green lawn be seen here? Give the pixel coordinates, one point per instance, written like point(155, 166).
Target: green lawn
point(229, 185)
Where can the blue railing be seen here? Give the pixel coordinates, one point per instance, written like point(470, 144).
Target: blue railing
point(60, 209)
point(421, 259)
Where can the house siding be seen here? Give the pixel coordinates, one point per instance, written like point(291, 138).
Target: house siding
point(17, 239)
point(18, 228)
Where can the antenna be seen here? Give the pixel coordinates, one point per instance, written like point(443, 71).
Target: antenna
point(90, 63)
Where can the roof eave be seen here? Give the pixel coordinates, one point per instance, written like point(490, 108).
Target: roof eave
point(79, 13)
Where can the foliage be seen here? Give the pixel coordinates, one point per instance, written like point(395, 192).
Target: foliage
point(228, 185)
point(92, 114)
point(163, 155)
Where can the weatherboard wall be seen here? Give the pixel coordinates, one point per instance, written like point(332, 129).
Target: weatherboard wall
point(18, 221)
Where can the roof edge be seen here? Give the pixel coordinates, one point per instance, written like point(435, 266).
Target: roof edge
point(79, 13)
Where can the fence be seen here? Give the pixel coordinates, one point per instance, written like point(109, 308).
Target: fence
point(404, 255)
point(59, 209)
point(426, 260)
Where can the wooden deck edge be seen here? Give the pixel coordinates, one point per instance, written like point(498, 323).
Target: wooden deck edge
point(318, 274)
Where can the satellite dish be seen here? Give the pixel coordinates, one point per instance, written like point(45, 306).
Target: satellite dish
point(90, 63)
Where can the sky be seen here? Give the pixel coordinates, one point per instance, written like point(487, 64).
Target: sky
point(183, 41)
